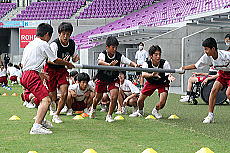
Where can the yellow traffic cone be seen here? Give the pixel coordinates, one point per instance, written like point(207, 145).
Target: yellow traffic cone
point(119, 117)
point(149, 150)
point(205, 150)
point(150, 117)
point(78, 117)
point(4, 94)
point(89, 151)
point(14, 117)
point(32, 152)
point(14, 94)
point(173, 117)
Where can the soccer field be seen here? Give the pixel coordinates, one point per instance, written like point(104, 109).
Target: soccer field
point(132, 135)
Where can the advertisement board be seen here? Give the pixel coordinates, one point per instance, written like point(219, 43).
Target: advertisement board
point(26, 36)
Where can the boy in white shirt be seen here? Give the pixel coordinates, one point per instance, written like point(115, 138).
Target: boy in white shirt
point(12, 72)
point(79, 93)
point(34, 56)
point(128, 94)
point(218, 58)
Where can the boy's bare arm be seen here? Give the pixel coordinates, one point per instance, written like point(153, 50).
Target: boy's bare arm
point(188, 67)
point(101, 62)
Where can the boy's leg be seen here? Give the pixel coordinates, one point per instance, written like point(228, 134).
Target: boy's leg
point(161, 103)
point(217, 86)
point(63, 97)
point(42, 109)
point(140, 104)
point(120, 101)
point(113, 100)
point(96, 99)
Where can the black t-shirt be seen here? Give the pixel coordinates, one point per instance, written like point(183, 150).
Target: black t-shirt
point(109, 76)
point(63, 51)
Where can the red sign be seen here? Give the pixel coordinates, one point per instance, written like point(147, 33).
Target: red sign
point(26, 36)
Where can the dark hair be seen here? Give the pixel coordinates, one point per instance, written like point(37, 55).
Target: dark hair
point(112, 41)
point(210, 43)
point(43, 29)
point(141, 43)
point(153, 49)
point(123, 72)
point(65, 27)
point(82, 77)
point(10, 64)
point(227, 36)
point(73, 73)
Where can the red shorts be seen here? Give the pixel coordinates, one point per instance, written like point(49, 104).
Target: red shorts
point(58, 77)
point(32, 81)
point(102, 87)
point(224, 78)
point(78, 105)
point(13, 78)
point(27, 95)
point(201, 78)
point(150, 88)
point(3, 79)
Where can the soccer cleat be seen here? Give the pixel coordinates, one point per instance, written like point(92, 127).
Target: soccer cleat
point(208, 119)
point(92, 113)
point(156, 114)
point(136, 114)
point(56, 119)
point(47, 124)
point(109, 119)
point(40, 130)
point(69, 112)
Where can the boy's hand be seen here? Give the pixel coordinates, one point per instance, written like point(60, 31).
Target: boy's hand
point(44, 76)
point(76, 58)
point(171, 78)
point(70, 66)
point(66, 58)
point(113, 63)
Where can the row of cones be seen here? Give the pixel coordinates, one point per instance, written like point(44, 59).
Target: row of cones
point(170, 117)
point(5, 94)
point(119, 117)
point(148, 150)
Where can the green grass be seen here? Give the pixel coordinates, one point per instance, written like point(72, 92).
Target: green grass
point(132, 135)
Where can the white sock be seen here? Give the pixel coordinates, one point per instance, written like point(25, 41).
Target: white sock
point(211, 114)
point(36, 125)
point(155, 110)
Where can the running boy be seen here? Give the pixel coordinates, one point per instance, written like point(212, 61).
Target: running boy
point(34, 56)
point(218, 58)
point(63, 47)
point(109, 79)
point(159, 81)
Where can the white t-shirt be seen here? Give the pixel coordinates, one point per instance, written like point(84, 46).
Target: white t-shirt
point(165, 66)
point(80, 93)
point(12, 71)
point(92, 84)
point(2, 72)
point(35, 55)
point(141, 56)
point(129, 88)
point(124, 60)
point(223, 59)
